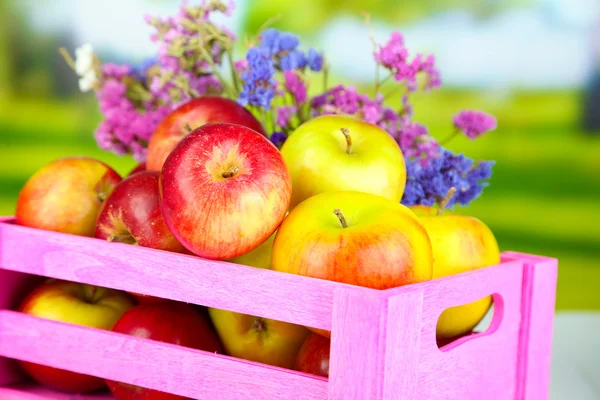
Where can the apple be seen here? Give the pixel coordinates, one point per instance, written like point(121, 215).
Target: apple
point(340, 153)
point(169, 322)
point(191, 115)
point(460, 243)
point(131, 214)
point(78, 304)
point(313, 357)
point(356, 238)
point(258, 339)
point(224, 190)
point(138, 168)
point(65, 195)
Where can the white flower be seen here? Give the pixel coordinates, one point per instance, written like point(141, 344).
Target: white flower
point(88, 81)
point(84, 59)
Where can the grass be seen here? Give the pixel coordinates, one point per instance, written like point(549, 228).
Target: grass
point(544, 196)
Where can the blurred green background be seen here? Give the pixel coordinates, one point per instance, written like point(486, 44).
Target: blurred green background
point(531, 63)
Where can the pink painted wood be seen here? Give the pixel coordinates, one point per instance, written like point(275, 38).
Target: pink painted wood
point(383, 343)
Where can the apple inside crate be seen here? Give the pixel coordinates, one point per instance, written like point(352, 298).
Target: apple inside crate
point(383, 342)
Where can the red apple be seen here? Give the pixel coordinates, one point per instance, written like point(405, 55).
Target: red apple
point(131, 214)
point(169, 322)
point(65, 195)
point(191, 115)
point(313, 357)
point(139, 168)
point(224, 190)
point(79, 304)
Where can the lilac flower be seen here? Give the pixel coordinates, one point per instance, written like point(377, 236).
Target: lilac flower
point(407, 109)
point(295, 86)
point(428, 184)
point(393, 55)
point(434, 79)
point(315, 60)
point(415, 142)
point(259, 85)
point(278, 138)
point(474, 123)
point(116, 71)
point(284, 114)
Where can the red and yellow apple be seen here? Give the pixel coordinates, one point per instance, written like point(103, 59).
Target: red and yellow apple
point(224, 190)
point(460, 243)
point(169, 322)
point(258, 339)
point(78, 304)
point(65, 195)
point(131, 214)
point(191, 115)
point(340, 153)
point(260, 257)
point(355, 238)
point(313, 357)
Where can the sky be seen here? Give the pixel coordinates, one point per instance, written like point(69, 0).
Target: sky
point(550, 44)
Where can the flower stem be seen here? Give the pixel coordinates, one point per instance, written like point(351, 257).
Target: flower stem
point(63, 52)
point(446, 200)
point(234, 75)
point(325, 76)
point(450, 137)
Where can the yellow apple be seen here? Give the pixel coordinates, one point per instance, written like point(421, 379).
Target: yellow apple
point(460, 243)
point(340, 153)
point(258, 339)
point(259, 257)
point(356, 238)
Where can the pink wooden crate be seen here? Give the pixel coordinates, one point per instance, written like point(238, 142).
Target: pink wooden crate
point(383, 342)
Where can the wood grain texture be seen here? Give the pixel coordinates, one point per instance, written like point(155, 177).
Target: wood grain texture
point(535, 341)
point(265, 293)
point(29, 391)
point(375, 346)
point(151, 364)
point(481, 366)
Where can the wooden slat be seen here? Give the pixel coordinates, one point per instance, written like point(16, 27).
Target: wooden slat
point(265, 293)
point(151, 364)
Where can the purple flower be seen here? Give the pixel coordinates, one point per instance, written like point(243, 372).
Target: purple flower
point(295, 86)
point(474, 123)
point(284, 114)
point(434, 79)
point(415, 142)
point(115, 71)
point(278, 138)
point(315, 60)
point(259, 85)
point(428, 184)
point(393, 55)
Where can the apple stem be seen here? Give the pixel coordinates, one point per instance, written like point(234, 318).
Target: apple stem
point(230, 172)
point(187, 128)
point(338, 213)
point(126, 238)
point(346, 133)
point(445, 200)
point(90, 293)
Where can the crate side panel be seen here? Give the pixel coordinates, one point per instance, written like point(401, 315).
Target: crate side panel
point(478, 366)
point(151, 364)
point(265, 293)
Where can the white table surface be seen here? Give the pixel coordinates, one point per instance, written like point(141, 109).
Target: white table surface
point(575, 372)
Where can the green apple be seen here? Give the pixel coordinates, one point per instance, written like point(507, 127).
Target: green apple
point(459, 243)
point(78, 304)
point(258, 339)
point(341, 153)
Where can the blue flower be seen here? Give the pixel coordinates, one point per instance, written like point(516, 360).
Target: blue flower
point(276, 41)
point(278, 138)
point(259, 84)
point(428, 184)
point(315, 60)
point(295, 59)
